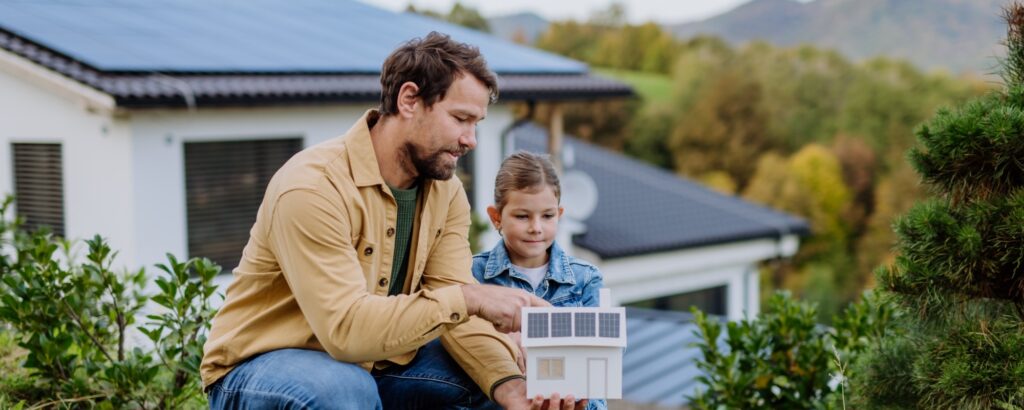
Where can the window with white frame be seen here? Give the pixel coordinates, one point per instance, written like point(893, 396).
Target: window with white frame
point(551, 368)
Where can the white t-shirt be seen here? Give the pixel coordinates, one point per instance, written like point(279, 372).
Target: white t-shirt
point(535, 275)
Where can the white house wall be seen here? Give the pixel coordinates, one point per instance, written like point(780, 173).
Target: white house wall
point(733, 265)
point(159, 138)
point(38, 106)
point(487, 159)
point(159, 191)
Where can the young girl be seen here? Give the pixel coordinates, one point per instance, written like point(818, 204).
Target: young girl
point(525, 212)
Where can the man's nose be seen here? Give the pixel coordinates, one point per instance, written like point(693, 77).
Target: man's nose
point(468, 138)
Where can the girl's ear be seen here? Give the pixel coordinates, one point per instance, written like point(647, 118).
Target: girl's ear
point(561, 210)
point(495, 216)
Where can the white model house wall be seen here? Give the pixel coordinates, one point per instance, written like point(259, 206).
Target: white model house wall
point(585, 372)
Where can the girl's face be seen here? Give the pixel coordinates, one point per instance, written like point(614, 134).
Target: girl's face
point(528, 222)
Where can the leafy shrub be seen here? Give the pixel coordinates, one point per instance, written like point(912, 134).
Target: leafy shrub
point(76, 319)
point(783, 358)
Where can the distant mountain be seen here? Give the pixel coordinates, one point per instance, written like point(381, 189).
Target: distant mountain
point(958, 35)
point(518, 27)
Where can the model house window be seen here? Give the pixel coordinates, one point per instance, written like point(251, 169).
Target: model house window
point(538, 326)
point(609, 326)
point(561, 324)
point(550, 368)
point(586, 324)
point(224, 184)
point(39, 186)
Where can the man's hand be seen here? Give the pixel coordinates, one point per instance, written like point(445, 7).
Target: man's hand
point(511, 395)
point(570, 403)
point(499, 305)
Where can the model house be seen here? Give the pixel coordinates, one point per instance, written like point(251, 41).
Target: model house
point(575, 350)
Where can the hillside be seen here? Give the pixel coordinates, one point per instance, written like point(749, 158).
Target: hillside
point(959, 35)
point(524, 27)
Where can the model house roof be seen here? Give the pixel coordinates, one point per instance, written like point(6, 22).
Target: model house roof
point(574, 326)
point(660, 364)
point(155, 52)
point(644, 209)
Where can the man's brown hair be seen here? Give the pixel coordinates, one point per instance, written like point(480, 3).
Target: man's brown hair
point(432, 63)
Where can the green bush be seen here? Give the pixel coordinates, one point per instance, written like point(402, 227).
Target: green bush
point(783, 359)
point(74, 320)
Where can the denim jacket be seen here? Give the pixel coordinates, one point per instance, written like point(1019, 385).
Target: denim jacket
point(568, 282)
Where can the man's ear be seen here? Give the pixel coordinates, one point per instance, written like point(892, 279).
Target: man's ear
point(495, 216)
point(408, 97)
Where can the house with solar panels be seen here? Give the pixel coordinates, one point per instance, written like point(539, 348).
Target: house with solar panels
point(157, 124)
point(575, 350)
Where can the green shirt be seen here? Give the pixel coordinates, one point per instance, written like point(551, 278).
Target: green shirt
point(406, 199)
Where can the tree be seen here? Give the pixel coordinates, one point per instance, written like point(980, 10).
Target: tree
point(960, 259)
point(724, 129)
point(468, 17)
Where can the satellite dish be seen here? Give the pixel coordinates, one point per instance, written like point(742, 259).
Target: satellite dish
point(579, 195)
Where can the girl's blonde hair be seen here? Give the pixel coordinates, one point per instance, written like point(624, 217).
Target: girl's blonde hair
point(524, 171)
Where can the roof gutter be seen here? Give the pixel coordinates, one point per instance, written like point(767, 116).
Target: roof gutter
point(90, 98)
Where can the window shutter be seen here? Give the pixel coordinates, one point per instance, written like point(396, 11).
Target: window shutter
point(39, 186)
point(224, 184)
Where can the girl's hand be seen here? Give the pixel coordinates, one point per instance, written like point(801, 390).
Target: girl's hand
point(555, 403)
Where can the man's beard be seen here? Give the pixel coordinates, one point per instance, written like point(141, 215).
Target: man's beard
point(433, 166)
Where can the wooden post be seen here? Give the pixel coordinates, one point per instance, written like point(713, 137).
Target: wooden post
point(556, 128)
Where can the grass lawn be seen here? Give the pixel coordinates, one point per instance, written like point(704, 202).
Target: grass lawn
point(653, 88)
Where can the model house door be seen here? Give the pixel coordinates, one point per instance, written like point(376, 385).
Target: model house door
point(597, 378)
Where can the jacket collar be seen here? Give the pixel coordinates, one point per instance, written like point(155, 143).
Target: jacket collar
point(558, 264)
point(361, 157)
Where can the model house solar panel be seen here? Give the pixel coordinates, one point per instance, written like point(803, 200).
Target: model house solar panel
point(609, 325)
point(538, 325)
point(586, 324)
point(561, 324)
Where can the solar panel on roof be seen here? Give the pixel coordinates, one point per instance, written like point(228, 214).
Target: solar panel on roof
point(247, 36)
point(586, 324)
point(609, 326)
point(538, 326)
point(561, 324)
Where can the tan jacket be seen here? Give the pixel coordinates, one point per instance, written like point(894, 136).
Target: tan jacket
point(315, 272)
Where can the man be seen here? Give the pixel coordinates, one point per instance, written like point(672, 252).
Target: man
point(359, 257)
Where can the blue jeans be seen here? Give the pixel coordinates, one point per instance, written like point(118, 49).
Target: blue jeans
point(310, 379)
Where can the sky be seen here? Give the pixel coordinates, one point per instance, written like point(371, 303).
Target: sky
point(638, 11)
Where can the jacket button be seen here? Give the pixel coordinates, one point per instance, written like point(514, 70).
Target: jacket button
point(382, 282)
point(368, 251)
point(455, 317)
point(438, 233)
point(391, 231)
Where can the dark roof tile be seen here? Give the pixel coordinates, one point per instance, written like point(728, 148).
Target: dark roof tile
point(643, 209)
